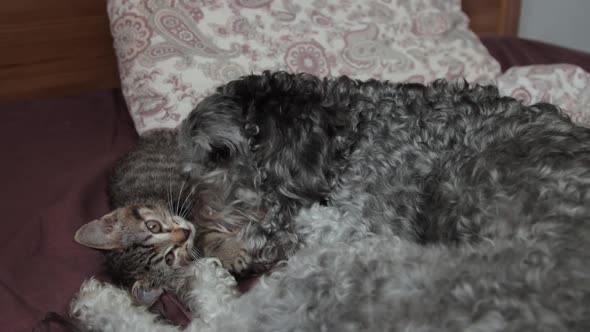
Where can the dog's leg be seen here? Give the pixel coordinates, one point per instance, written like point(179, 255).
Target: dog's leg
point(208, 290)
point(103, 307)
point(327, 225)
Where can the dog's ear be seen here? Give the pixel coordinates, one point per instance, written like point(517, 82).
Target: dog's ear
point(214, 133)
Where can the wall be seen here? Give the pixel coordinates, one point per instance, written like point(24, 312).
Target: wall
point(561, 22)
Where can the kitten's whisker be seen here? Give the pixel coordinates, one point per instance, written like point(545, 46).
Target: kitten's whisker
point(170, 191)
point(190, 205)
point(179, 195)
point(183, 212)
point(196, 253)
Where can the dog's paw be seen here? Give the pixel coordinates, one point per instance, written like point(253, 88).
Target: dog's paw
point(208, 288)
point(94, 294)
point(97, 300)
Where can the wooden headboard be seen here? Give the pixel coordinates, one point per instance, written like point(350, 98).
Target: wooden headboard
point(60, 47)
point(493, 17)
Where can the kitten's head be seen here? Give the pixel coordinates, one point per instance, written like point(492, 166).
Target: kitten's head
point(145, 245)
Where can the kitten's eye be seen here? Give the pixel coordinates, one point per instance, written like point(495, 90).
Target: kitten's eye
point(169, 258)
point(153, 226)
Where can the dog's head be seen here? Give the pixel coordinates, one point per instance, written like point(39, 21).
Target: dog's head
point(214, 143)
point(266, 145)
point(213, 136)
point(279, 131)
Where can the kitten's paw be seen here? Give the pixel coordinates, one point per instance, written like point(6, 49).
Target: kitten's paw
point(229, 250)
point(239, 263)
point(213, 261)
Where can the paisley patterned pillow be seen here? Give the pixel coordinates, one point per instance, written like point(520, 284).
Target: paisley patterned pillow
point(564, 85)
point(173, 52)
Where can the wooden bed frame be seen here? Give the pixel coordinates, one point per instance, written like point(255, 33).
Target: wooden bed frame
point(61, 47)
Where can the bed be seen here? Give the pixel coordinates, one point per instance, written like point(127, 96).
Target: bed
point(67, 122)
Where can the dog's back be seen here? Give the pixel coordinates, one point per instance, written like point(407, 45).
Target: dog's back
point(444, 163)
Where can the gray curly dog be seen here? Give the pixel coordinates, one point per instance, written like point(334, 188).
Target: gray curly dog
point(389, 207)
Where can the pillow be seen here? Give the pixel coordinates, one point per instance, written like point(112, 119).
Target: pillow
point(564, 85)
point(172, 53)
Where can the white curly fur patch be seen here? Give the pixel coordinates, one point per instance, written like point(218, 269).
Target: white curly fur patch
point(207, 290)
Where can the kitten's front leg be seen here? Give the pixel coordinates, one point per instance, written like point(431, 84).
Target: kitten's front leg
point(228, 249)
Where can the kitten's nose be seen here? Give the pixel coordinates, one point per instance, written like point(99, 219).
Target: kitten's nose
point(180, 235)
point(186, 232)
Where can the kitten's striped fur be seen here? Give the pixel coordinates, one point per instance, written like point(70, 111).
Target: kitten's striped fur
point(148, 185)
point(152, 202)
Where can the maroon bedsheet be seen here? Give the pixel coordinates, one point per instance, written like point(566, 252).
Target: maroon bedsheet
point(56, 155)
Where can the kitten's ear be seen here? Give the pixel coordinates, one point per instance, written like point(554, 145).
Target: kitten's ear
point(145, 296)
point(101, 233)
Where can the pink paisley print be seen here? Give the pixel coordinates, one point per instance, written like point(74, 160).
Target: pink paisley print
point(581, 116)
point(131, 36)
point(307, 57)
point(522, 94)
point(364, 50)
point(431, 24)
point(153, 104)
point(173, 26)
point(191, 46)
point(381, 12)
point(566, 86)
point(163, 51)
point(181, 89)
point(196, 14)
point(241, 26)
point(319, 19)
point(231, 71)
point(361, 47)
point(253, 3)
point(456, 69)
point(222, 71)
point(284, 16)
point(415, 79)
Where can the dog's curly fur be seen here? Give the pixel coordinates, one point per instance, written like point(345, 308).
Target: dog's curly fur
point(359, 281)
point(449, 207)
point(446, 163)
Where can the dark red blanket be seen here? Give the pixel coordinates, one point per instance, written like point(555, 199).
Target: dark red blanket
point(56, 155)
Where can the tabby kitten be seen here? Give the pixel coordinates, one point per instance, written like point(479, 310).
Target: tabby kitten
point(155, 227)
point(147, 235)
